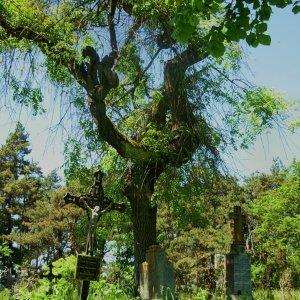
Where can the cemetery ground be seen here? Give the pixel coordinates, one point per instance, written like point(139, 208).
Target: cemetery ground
point(67, 288)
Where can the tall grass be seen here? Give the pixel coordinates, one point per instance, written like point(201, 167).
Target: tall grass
point(105, 291)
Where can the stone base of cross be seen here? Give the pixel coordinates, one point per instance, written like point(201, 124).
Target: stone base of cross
point(237, 262)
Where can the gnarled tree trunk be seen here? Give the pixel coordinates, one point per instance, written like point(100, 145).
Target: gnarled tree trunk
point(140, 180)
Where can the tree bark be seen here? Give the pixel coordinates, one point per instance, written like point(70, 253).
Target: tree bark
point(139, 188)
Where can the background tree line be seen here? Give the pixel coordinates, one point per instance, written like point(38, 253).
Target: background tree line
point(37, 227)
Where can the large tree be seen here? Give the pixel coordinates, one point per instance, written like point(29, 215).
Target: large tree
point(20, 183)
point(156, 101)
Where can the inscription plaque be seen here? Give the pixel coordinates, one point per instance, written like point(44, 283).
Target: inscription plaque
point(88, 268)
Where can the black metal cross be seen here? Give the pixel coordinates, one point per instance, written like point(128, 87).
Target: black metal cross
point(50, 276)
point(95, 204)
point(94, 198)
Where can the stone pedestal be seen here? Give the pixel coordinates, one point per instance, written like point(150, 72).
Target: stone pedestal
point(157, 278)
point(238, 273)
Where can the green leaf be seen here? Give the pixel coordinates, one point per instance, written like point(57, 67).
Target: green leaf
point(265, 12)
point(193, 20)
point(183, 33)
point(198, 4)
point(262, 27)
point(264, 39)
point(251, 39)
point(281, 3)
point(216, 49)
point(296, 9)
point(256, 4)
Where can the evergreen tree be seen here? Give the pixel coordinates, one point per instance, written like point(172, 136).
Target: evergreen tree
point(53, 227)
point(35, 222)
point(20, 182)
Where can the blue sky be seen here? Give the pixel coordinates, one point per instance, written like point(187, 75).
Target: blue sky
point(276, 66)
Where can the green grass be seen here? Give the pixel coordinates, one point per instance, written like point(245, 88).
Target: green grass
point(111, 293)
point(276, 295)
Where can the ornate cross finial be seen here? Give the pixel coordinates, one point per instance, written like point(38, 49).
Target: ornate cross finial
point(238, 226)
point(94, 198)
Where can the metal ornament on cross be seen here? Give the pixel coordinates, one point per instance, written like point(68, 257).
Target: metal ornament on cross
point(95, 204)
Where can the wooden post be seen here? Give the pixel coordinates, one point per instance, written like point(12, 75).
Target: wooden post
point(93, 219)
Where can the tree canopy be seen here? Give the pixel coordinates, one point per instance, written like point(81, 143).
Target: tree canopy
point(233, 21)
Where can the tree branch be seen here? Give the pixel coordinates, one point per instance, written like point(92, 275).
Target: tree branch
point(175, 92)
point(96, 77)
point(111, 24)
point(189, 132)
point(45, 44)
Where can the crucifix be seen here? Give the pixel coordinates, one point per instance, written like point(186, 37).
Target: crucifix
point(95, 204)
point(238, 225)
point(50, 276)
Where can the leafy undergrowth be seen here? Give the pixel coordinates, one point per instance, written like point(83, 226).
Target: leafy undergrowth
point(67, 288)
point(105, 291)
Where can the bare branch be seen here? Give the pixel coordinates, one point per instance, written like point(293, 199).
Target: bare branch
point(111, 24)
point(174, 73)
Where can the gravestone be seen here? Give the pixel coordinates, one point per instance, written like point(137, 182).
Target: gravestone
point(237, 262)
point(157, 278)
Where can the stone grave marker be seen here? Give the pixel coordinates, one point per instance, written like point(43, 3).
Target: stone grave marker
point(237, 262)
point(157, 277)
